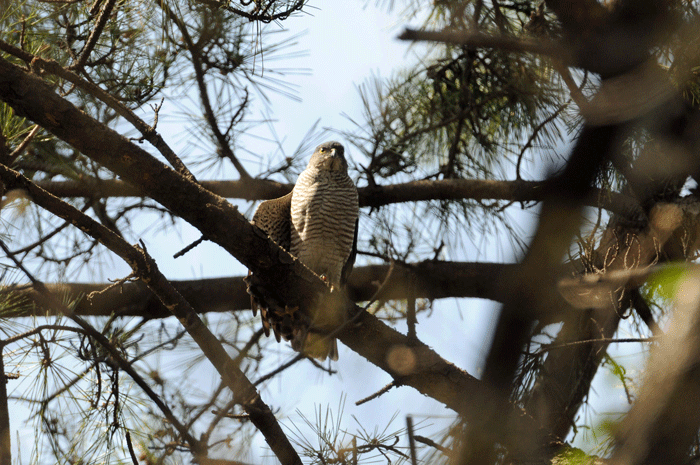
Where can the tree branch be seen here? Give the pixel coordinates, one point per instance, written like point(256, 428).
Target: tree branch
point(660, 427)
point(95, 33)
point(476, 39)
point(199, 73)
point(433, 280)
point(284, 278)
point(375, 196)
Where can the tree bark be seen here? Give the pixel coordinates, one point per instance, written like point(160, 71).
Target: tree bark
point(376, 196)
point(433, 280)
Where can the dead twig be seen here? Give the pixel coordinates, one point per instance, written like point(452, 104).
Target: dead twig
point(383, 390)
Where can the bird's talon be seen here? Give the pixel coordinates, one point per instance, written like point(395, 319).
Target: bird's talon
point(290, 310)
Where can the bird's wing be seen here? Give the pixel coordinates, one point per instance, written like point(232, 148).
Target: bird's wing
point(347, 268)
point(274, 218)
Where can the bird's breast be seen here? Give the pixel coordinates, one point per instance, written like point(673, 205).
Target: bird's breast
point(324, 210)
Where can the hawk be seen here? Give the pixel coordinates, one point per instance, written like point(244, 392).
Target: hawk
point(317, 223)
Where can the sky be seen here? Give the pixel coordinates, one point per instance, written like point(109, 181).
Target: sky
point(346, 44)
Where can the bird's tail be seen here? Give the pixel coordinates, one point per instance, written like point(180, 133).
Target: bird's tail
point(320, 347)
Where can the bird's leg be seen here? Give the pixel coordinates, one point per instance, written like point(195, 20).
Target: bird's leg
point(326, 280)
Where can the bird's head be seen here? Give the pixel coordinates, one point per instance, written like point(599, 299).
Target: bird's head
point(329, 156)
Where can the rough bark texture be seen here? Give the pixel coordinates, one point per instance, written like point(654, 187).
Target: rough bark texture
point(432, 280)
point(377, 196)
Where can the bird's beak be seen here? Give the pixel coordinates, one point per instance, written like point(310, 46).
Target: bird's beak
point(333, 161)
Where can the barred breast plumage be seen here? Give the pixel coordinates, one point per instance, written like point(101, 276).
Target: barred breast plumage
point(317, 223)
point(324, 213)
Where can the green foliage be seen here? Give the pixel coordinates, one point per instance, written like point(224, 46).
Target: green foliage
point(574, 456)
point(666, 282)
point(337, 445)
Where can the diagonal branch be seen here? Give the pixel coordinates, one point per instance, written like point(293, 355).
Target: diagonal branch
point(145, 268)
point(148, 132)
point(95, 33)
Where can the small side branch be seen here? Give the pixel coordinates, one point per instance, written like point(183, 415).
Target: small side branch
point(411, 439)
point(383, 390)
point(102, 19)
point(431, 443)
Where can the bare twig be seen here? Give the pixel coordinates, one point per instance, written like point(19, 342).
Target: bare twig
point(383, 390)
point(189, 247)
point(607, 340)
point(533, 136)
point(134, 460)
point(118, 282)
point(431, 443)
point(94, 36)
point(411, 439)
point(280, 369)
point(23, 145)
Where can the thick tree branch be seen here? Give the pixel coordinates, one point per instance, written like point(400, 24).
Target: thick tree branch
point(433, 280)
point(376, 196)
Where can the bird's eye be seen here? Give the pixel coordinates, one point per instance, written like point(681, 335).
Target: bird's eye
point(323, 150)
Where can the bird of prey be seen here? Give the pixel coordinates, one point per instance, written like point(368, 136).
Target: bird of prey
point(317, 223)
